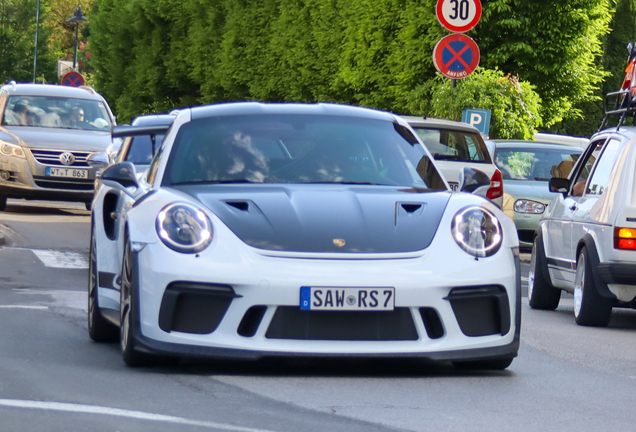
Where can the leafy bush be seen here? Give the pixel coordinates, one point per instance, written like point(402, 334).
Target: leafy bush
point(514, 104)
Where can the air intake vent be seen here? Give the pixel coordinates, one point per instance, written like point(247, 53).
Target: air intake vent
point(251, 320)
point(432, 322)
point(411, 208)
point(241, 205)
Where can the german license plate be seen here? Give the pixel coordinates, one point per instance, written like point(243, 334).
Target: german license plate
point(334, 298)
point(67, 172)
point(454, 186)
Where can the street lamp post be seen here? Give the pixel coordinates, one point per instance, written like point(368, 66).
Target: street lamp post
point(37, 30)
point(77, 18)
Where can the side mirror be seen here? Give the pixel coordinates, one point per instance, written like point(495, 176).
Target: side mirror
point(471, 179)
point(560, 185)
point(99, 161)
point(121, 176)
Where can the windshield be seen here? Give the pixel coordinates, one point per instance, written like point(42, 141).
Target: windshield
point(535, 164)
point(298, 149)
point(56, 112)
point(453, 145)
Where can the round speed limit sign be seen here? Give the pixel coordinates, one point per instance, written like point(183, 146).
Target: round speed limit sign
point(458, 15)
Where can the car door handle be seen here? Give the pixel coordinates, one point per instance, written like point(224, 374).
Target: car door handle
point(573, 207)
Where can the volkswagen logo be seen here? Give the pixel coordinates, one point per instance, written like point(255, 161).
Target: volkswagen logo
point(67, 158)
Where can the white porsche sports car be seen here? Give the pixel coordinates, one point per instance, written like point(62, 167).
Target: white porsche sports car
point(299, 230)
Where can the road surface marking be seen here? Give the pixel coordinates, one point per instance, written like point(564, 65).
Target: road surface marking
point(56, 259)
point(22, 307)
point(92, 409)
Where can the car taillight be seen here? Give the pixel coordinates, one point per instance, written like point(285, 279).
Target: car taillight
point(624, 238)
point(496, 186)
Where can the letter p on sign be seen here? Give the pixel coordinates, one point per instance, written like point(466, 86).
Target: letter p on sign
point(475, 119)
point(480, 118)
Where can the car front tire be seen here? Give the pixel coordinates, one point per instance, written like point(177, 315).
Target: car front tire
point(541, 293)
point(590, 308)
point(3, 203)
point(99, 329)
point(128, 311)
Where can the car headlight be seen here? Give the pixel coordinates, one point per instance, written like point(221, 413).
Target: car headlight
point(528, 206)
point(477, 231)
point(184, 228)
point(11, 150)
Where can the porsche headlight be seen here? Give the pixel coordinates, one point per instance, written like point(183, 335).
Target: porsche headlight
point(477, 231)
point(11, 150)
point(528, 206)
point(184, 228)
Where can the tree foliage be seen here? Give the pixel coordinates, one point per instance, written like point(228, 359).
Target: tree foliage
point(17, 42)
point(154, 55)
point(553, 44)
point(514, 105)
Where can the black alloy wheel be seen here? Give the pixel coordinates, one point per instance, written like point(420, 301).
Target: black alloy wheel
point(128, 309)
point(99, 329)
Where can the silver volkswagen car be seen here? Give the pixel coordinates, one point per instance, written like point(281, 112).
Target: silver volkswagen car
point(46, 134)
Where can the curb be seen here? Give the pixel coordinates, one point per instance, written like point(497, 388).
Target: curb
point(3, 236)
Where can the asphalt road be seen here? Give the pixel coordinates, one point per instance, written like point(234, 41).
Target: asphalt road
point(53, 378)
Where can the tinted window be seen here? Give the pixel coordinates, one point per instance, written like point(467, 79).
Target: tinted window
point(297, 149)
point(454, 145)
point(56, 112)
point(535, 164)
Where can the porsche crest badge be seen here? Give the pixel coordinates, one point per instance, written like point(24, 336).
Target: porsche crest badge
point(339, 242)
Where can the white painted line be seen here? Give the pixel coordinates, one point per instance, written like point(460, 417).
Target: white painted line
point(56, 259)
point(92, 409)
point(22, 307)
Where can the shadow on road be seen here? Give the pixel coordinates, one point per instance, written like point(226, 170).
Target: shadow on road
point(54, 208)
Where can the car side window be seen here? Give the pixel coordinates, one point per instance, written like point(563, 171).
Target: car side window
point(603, 169)
point(578, 185)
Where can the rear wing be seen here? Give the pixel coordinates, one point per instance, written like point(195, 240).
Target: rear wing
point(130, 131)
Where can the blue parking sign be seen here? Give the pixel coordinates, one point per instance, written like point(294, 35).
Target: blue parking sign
point(480, 118)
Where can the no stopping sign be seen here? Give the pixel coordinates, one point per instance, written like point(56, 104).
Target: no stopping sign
point(456, 56)
point(458, 15)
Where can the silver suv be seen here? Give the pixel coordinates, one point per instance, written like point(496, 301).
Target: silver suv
point(46, 134)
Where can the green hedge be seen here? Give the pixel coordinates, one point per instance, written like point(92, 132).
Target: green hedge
point(154, 55)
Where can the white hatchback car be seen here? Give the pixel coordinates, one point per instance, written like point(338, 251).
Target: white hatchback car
point(456, 145)
point(586, 241)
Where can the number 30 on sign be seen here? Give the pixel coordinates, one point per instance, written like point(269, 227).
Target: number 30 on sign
point(458, 15)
